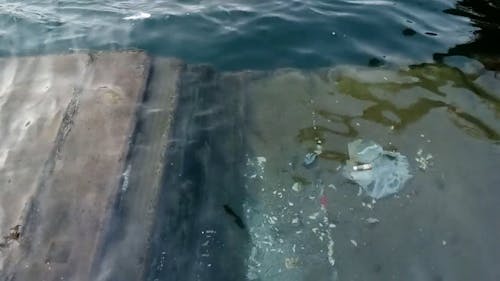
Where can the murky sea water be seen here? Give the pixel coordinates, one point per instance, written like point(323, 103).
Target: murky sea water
point(288, 80)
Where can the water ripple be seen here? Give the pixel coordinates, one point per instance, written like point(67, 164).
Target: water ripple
point(239, 34)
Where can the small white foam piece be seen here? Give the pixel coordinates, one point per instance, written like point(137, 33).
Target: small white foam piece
point(138, 16)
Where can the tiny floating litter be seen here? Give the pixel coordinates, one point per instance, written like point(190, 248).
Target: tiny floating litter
point(309, 159)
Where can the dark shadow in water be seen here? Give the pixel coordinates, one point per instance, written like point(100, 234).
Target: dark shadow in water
point(198, 232)
point(485, 15)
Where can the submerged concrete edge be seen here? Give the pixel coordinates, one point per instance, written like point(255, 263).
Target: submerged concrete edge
point(30, 220)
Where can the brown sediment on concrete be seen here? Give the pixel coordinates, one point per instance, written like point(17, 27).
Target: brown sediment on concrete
point(66, 124)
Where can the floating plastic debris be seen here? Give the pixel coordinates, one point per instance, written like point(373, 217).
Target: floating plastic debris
point(367, 205)
point(255, 167)
point(319, 149)
point(314, 216)
point(379, 173)
point(292, 262)
point(330, 245)
point(323, 201)
point(363, 167)
point(423, 161)
point(310, 159)
point(297, 187)
point(289, 231)
point(372, 220)
point(354, 243)
point(364, 151)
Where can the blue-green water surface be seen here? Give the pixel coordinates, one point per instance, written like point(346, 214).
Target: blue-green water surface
point(241, 34)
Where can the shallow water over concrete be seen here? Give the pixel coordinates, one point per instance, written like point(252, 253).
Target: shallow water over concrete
point(119, 166)
point(74, 114)
point(441, 226)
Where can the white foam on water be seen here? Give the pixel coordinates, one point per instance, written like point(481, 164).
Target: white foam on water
point(138, 16)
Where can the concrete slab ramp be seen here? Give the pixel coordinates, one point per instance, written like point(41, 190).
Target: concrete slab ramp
point(66, 123)
point(118, 166)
